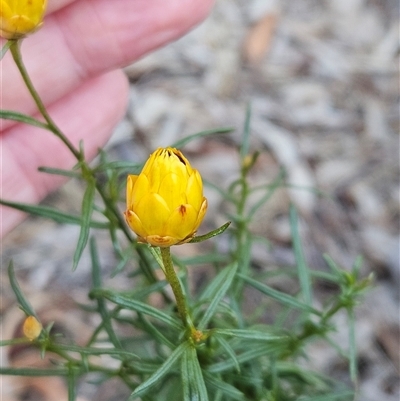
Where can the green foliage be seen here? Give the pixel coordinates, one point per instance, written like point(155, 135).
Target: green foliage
point(208, 349)
point(223, 355)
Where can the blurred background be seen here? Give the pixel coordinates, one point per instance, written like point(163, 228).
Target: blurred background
point(322, 80)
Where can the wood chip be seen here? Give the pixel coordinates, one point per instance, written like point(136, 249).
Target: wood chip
point(259, 38)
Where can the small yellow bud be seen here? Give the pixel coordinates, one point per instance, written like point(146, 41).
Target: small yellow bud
point(198, 335)
point(32, 328)
point(19, 18)
point(165, 202)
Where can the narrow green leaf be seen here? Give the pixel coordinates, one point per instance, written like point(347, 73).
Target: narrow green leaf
point(145, 291)
point(155, 251)
point(59, 171)
point(51, 213)
point(21, 118)
point(324, 276)
point(5, 48)
point(198, 376)
point(96, 271)
point(146, 368)
point(302, 268)
point(160, 373)
point(229, 391)
point(218, 189)
point(85, 362)
point(125, 255)
point(254, 352)
point(196, 389)
point(342, 396)
point(96, 351)
point(211, 234)
point(155, 333)
point(225, 278)
point(81, 150)
point(271, 190)
point(332, 265)
point(357, 265)
point(71, 385)
point(283, 298)
point(208, 258)
point(214, 285)
point(186, 377)
point(132, 304)
point(244, 256)
point(182, 142)
point(228, 349)
point(34, 372)
point(352, 346)
point(24, 303)
point(274, 377)
point(245, 145)
point(251, 334)
point(133, 168)
point(101, 305)
point(87, 210)
point(286, 368)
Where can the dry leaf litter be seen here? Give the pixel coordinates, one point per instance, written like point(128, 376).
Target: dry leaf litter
point(322, 81)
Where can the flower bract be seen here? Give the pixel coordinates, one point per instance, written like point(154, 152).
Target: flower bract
point(165, 202)
point(19, 18)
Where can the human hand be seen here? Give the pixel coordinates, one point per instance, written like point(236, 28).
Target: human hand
point(74, 61)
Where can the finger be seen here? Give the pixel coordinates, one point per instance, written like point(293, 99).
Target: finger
point(54, 5)
point(88, 37)
point(90, 113)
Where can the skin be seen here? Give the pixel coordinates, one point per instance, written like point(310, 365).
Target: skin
point(75, 63)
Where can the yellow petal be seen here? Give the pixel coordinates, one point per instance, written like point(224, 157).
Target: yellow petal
point(140, 189)
point(179, 155)
point(182, 222)
point(172, 190)
point(5, 10)
point(130, 183)
point(152, 169)
point(153, 213)
point(194, 190)
point(201, 214)
point(134, 223)
point(179, 164)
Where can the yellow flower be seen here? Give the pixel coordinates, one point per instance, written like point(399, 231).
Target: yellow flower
point(165, 202)
point(32, 328)
point(19, 18)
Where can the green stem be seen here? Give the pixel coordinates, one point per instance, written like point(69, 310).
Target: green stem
point(16, 53)
point(176, 288)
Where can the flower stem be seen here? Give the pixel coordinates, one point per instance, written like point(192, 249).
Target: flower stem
point(16, 53)
point(176, 288)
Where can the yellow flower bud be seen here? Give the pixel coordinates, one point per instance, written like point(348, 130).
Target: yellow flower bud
point(32, 328)
point(165, 202)
point(19, 18)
